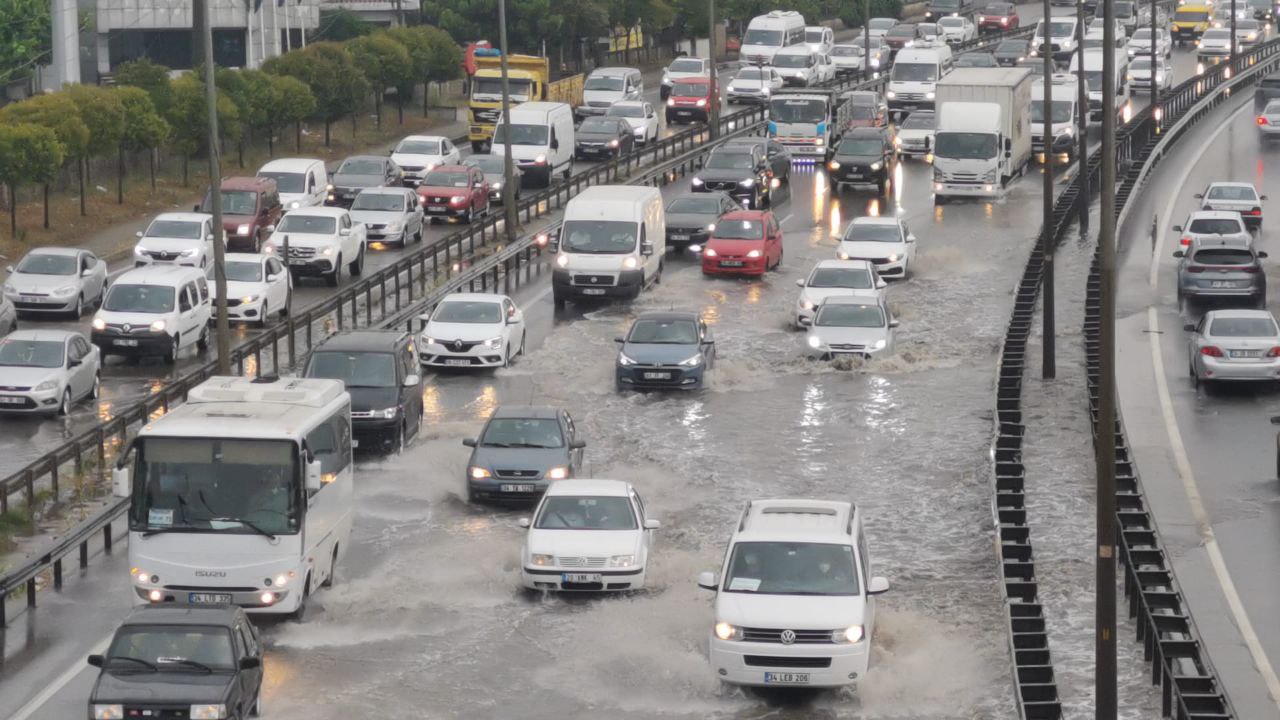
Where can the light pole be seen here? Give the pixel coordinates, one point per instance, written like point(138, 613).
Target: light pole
point(1082, 119)
point(714, 100)
point(215, 196)
point(1155, 51)
point(866, 40)
point(1105, 590)
point(1233, 36)
point(1048, 346)
point(508, 170)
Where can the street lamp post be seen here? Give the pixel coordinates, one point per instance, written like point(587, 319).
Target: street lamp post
point(714, 100)
point(1082, 118)
point(223, 328)
point(866, 39)
point(1048, 346)
point(508, 169)
point(1233, 36)
point(1155, 52)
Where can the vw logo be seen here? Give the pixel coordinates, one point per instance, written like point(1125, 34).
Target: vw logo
point(127, 327)
point(787, 637)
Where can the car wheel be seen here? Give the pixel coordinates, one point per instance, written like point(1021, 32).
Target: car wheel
point(466, 219)
point(520, 352)
point(202, 344)
point(471, 494)
point(64, 409)
point(301, 613)
point(172, 355)
point(333, 569)
point(78, 312)
point(779, 263)
point(335, 277)
point(357, 267)
point(506, 355)
point(397, 442)
point(1195, 377)
point(265, 315)
point(256, 711)
point(95, 391)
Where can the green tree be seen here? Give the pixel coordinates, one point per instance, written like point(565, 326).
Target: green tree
point(57, 112)
point(29, 153)
point(145, 130)
point(331, 73)
point(25, 32)
point(153, 78)
point(341, 24)
point(385, 63)
point(188, 116)
point(103, 113)
point(250, 90)
point(291, 103)
point(444, 61)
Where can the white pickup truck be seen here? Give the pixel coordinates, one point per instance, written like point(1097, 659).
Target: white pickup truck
point(321, 240)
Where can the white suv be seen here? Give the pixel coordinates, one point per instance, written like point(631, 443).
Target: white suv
point(795, 599)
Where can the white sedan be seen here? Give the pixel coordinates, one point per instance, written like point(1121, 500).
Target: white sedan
point(958, 29)
point(177, 238)
point(1234, 345)
point(475, 330)
point(640, 115)
point(587, 535)
point(47, 371)
point(419, 154)
point(885, 241)
point(257, 287)
point(832, 278)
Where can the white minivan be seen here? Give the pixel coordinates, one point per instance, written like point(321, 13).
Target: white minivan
point(1093, 64)
point(610, 244)
point(542, 140)
point(608, 85)
point(154, 310)
point(301, 182)
point(766, 34)
point(913, 79)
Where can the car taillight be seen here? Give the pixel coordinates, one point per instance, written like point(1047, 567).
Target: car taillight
point(1255, 212)
point(1251, 269)
point(1195, 268)
point(1274, 352)
point(1262, 119)
point(1185, 241)
point(1004, 21)
point(1211, 351)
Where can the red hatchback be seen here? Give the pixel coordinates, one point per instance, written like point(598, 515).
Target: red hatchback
point(454, 191)
point(998, 16)
point(689, 100)
point(745, 242)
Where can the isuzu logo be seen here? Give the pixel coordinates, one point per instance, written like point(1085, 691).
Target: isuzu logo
point(219, 573)
point(788, 637)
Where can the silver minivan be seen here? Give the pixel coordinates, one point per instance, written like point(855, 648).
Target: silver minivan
point(606, 86)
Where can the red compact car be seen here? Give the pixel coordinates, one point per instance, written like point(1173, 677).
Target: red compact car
point(454, 191)
point(689, 100)
point(998, 16)
point(745, 242)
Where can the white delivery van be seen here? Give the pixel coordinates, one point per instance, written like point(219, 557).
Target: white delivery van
point(542, 140)
point(1093, 58)
point(983, 136)
point(301, 182)
point(610, 244)
point(766, 34)
point(154, 310)
point(1063, 119)
point(914, 77)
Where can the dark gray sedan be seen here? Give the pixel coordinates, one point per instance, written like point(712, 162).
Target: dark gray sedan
point(665, 350)
point(359, 172)
point(603, 137)
point(1011, 52)
point(522, 449)
point(691, 217)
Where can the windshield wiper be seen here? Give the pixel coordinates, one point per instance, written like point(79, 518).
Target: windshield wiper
point(529, 445)
point(245, 523)
point(189, 663)
point(495, 444)
point(140, 661)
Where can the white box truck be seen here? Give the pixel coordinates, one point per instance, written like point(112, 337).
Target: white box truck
point(983, 135)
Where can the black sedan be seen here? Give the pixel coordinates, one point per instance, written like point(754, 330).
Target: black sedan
point(977, 60)
point(1011, 52)
point(603, 136)
point(776, 153)
point(863, 157)
point(742, 172)
point(691, 217)
point(180, 661)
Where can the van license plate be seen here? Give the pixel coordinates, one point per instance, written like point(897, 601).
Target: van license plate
point(298, 261)
point(125, 343)
point(519, 488)
point(679, 236)
point(581, 577)
point(209, 598)
point(593, 291)
point(786, 678)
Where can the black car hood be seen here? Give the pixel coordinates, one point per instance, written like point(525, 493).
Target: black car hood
point(164, 686)
point(595, 137)
point(690, 220)
point(364, 399)
point(718, 175)
point(856, 159)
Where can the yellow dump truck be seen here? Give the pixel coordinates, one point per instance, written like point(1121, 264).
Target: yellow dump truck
point(529, 78)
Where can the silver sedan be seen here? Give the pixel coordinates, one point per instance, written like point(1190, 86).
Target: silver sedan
point(1234, 345)
point(57, 281)
point(47, 371)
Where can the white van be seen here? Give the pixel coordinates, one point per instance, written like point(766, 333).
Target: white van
point(1093, 58)
point(820, 39)
point(767, 34)
point(542, 140)
point(610, 244)
point(609, 85)
point(301, 182)
point(798, 65)
point(913, 80)
point(154, 310)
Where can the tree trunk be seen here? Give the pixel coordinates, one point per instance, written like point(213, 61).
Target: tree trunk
point(13, 210)
point(84, 169)
point(240, 150)
point(154, 152)
point(377, 110)
point(354, 115)
point(326, 133)
point(186, 160)
point(426, 97)
point(271, 142)
point(400, 107)
point(46, 206)
point(120, 177)
point(297, 136)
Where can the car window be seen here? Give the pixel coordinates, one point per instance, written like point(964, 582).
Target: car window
point(184, 299)
point(1223, 256)
point(1215, 226)
point(586, 513)
point(1243, 327)
point(203, 286)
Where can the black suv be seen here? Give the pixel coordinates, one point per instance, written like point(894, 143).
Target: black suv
point(864, 156)
point(743, 172)
point(167, 661)
point(380, 369)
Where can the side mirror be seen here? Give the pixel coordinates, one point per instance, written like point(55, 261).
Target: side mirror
point(1198, 196)
point(893, 323)
point(1179, 253)
point(97, 660)
point(195, 208)
point(1007, 154)
point(250, 663)
point(270, 228)
point(707, 581)
point(138, 234)
point(652, 524)
point(619, 339)
point(120, 484)
point(1189, 327)
point(523, 522)
point(1262, 197)
point(87, 272)
point(877, 586)
point(1262, 253)
point(646, 248)
point(799, 282)
point(209, 237)
point(469, 442)
point(344, 232)
point(313, 476)
point(412, 380)
point(9, 269)
point(911, 238)
point(273, 277)
point(555, 143)
point(577, 444)
point(74, 363)
point(881, 284)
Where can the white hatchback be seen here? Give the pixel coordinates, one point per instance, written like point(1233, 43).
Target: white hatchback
point(257, 287)
point(418, 155)
point(472, 330)
point(885, 241)
point(589, 535)
point(640, 115)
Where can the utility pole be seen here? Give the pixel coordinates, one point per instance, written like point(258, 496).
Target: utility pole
point(866, 39)
point(1105, 591)
point(199, 20)
point(714, 100)
point(508, 170)
point(215, 195)
point(1082, 123)
point(1234, 42)
point(1155, 52)
point(1048, 347)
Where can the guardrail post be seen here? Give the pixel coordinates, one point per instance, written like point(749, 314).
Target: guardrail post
point(84, 554)
point(368, 304)
point(31, 493)
point(57, 574)
point(308, 325)
point(384, 309)
point(31, 588)
point(53, 476)
point(339, 314)
point(275, 353)
point(106, 538)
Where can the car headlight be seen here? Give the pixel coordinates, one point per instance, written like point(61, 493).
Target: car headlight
point(190, 252)
point(427, 340)
point(753, 254)
point(326, 251)
point(815, 342)
point(99, 324)
point(619, 561)
point(540, 160)
point(709, 252)
point(157, 326)
point(701, 102)
point(139, 251)
point(764, 91)
point(696, 182)
point(892, 258)
point(725, 631)
point(851, 634)
point(496, 185)
point(694, 361)
point(842, 255)
point(242, 230)
point(638, 132)
point(10, 290)
point(493, 343)
point(208, 712)
point(536, 559)
point(730, 88)
point(1069, 131)
point(711, 227)
point(559, 472)
point(386, 414)
point(248, 299)
point(108, 712)
point(630, 262)
point(879, 344)
point(64, 291)
point(930, 95)
point(890, 94)
point(50, 384)
point(748, 182)
point(478, 473)
point(329, 187)
point(876, 165)
point(624, 361)
point(392, 227)
point(562, 260)
point(458, 198)
point(269, 249)
point(295, 205)
point(613, 143)
point(834, 165)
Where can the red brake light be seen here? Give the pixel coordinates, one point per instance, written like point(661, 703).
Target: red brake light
point(1195, 268)
point(1262, 119)
point(1186, 241)
point(1256, 211)
point(1274, 352)
point(1211, 351)
point(1250, 269)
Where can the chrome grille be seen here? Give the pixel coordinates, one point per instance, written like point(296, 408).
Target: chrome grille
point(720, 185)
point(486, 116)
point(296, 251)
point(774, 635)
point(595, 280)
point(582, 562)
point(163, 256)
point(517, 474)
point(119, 328)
